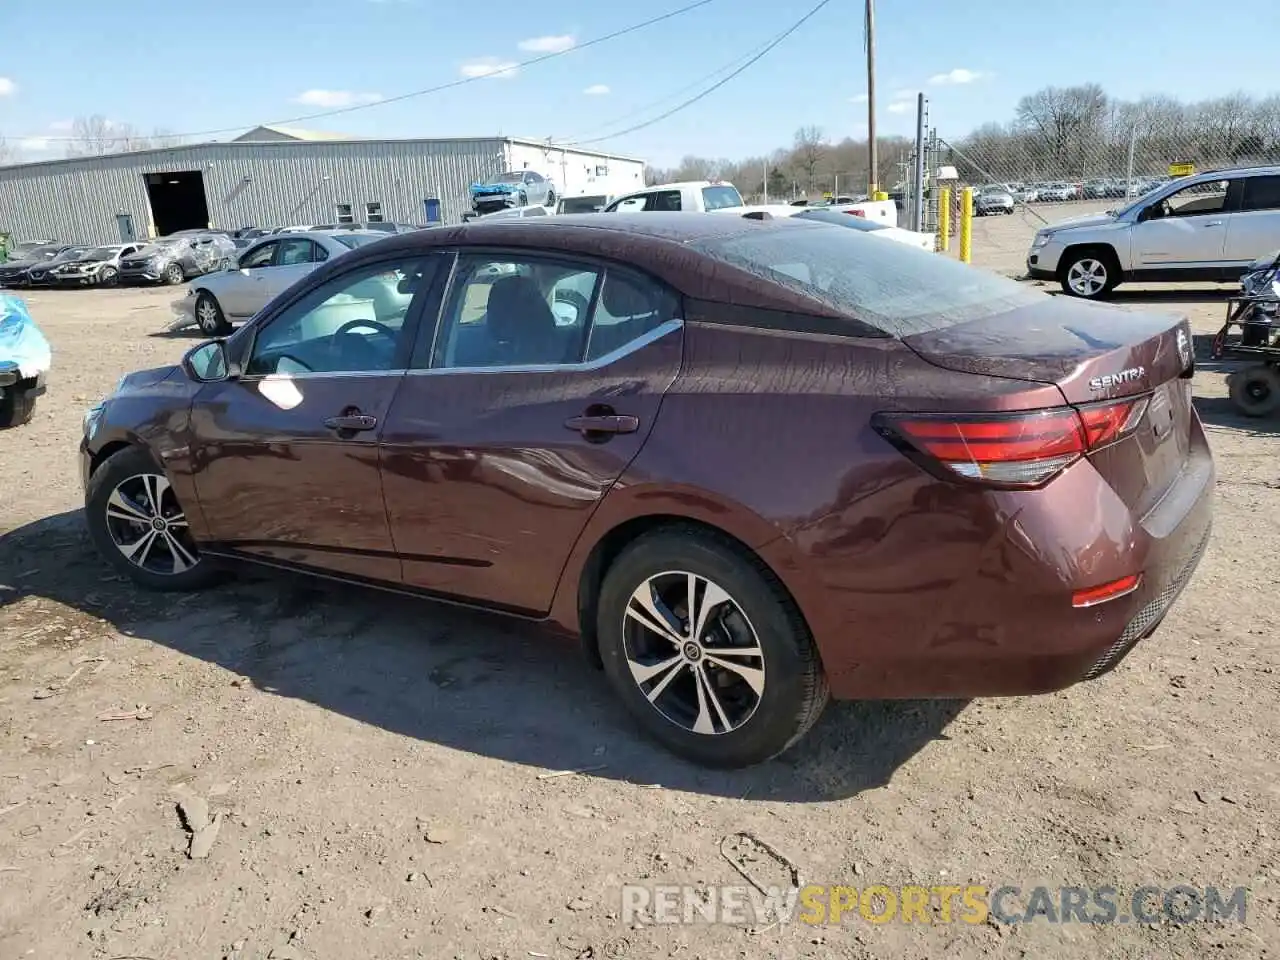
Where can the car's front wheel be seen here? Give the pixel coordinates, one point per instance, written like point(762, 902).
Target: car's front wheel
point(209, 316)
point(707, 650)
point(139, 526)
point(108, 277)
point(173, 274)
point(1090, 275)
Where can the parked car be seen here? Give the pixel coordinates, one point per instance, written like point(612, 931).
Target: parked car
point(839, 217)
point(1026, 193)
point(992, 200)
point(94, 266)
point(39, 274)
point(1057, 192)
point(762, 463)
point(514, 188)
point(587, 203)
point(13, 272)
point(177, 258)
point(1207, 227)
point(268, 268)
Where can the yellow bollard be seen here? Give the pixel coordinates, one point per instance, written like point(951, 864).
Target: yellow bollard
point(879, 195)
point(966, 225)
point(944, 219)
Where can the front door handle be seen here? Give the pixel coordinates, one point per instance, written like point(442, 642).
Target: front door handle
point(1213, 223)
point(604, 423)
point(351, 422)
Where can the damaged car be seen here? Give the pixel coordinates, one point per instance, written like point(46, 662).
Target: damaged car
point(96, 266)
point(513, 188)
point(177, 258)
point(24, 362)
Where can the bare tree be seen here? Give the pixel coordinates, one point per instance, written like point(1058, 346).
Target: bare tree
point(96, 136)
point(7, 153)
point(1063, 118)
point(810, 148)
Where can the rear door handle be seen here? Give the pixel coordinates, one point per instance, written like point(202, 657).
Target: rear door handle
point(604, 423)
point(351, 423)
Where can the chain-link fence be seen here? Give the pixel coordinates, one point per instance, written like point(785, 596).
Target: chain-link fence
point(1059, 156)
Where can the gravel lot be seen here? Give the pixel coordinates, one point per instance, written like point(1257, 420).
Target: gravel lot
point(377, 762)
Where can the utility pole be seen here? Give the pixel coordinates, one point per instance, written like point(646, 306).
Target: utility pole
point(873, 153)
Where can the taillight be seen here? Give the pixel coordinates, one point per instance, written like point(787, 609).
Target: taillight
point(1020, 449)
point(856, 213)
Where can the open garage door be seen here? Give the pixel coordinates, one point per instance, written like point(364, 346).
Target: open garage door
point(178, 201)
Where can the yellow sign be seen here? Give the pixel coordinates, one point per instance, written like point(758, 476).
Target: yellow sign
point(827, 195)
point(1181, 169)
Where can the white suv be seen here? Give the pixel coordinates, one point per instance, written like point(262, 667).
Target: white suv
point(1206, 227)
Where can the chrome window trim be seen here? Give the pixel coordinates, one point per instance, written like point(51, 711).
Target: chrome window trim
point(657, 333)
point(316, 374)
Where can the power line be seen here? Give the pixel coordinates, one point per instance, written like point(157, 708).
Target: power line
point(714, 87)
point(645, 108)
point(463, 81)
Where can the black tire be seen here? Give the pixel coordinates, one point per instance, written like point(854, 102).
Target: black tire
point(120, 468)
point(1098, 264)
point(1256, 391)
point(523, 197)
point(17, 406)
point(209, 316)
point(551, 199)
point(794, 690)
point(173, 274)
point(108, 277)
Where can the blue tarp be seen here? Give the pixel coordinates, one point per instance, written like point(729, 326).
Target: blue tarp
point(21, 342)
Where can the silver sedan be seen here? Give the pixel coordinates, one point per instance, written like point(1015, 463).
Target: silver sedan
point(215, 301)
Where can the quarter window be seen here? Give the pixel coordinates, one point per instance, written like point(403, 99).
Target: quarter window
point(629, 307)
point(352, 323)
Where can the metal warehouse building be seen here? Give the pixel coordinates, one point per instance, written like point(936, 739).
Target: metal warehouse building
point(277, 176)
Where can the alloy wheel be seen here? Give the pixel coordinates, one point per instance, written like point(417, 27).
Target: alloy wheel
point(1087, 277)
point(207, 316)
point(693, 653)
point(148, 527)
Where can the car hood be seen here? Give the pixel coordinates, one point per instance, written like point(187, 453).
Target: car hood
point(1087, 220)
point(141, 379)
point(19, 264)
point(82, 262)
point(495, 187)
point(1264, 262)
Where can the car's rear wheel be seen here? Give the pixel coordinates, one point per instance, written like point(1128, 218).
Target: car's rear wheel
point(1089, 274)
point(209, 316)
point(1256, 391)
point(108, 277)
point(139, 526)
point(173, 274)
point(707, 650)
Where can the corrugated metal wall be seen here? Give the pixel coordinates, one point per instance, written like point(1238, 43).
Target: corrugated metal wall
point(260, 184)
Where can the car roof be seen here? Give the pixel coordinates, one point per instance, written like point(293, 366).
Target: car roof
point(656, 243)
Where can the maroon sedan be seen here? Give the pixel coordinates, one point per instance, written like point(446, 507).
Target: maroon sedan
point(751, 463)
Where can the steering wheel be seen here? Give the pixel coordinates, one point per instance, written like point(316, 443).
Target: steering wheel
point(579, 302)
point(380, 329)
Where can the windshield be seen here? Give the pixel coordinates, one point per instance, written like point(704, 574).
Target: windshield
point(101, 253)
point(841, 220)
point(891, 286)
point(73, 253)
point(43, 251)
point(353, 240)
point(160, 246)
point(506, 178)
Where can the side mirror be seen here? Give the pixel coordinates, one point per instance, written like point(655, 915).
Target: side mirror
point(209, 362)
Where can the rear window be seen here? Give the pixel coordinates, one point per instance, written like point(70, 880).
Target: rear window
point(896, 288)
point(354, 240)
point(582, 204)
point(841, 219)
point(717, 198)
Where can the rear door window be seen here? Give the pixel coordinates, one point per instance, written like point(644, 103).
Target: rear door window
point(891, 286)
point(1261, 193)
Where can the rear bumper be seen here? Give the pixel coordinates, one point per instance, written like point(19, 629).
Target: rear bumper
point(959, 604)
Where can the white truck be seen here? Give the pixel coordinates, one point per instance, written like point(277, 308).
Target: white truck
point(713, 196)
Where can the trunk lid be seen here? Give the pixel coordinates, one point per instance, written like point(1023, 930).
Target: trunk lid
point(1091, 353)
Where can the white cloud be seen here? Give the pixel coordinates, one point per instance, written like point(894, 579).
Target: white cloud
point(860, 98)
point(902, 106)
point(904, 93)
point(33, 144)
point(596, 90)
point(7, 87)
point(551, 44)
point(62, 126)
point(955, 77)
point(489, 67)
point(335, 98)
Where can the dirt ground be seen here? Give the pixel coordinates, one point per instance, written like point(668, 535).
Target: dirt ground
point(379, 765)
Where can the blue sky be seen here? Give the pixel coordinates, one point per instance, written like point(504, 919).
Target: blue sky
point(232, 63)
